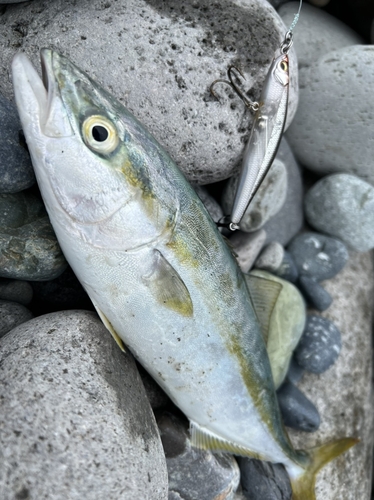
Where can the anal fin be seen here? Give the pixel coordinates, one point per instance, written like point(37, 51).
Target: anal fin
point(109, 327)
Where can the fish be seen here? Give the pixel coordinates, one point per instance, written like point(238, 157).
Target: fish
point(155, 266)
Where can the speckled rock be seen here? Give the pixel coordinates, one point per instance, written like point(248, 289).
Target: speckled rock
point(16, 172)
point(16, 291)
point(28, 246)
point(267, 201)
point(332, 129)
point(75, 419)
point(297, 410)
point(315, 294)
point(173, 52)
point(317, 32)
point(343, 206)
point(264, 480)
point(247, 246)
point(286, 326)
point(271, 257)
point(12, 315)
point(193, 473)
point(213, 207)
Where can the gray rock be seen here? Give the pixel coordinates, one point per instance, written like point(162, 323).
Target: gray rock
point(193, 473)
point(264, 480)
point(297, 411)
point(295, 372)
point(267, 201)
point(284, 225)
point(315, 294)
point(247, 246)
point(16, 172)
point(319, 346)
point(174, 51)
point(75, 419)
point(28, 246)
point(343, 205)
point(317, 32)
point(271, 257)
point(12, 315)
point(288, 270)
point(332, 129)
point(213, 207)
point(318, 256)
point(16, 291)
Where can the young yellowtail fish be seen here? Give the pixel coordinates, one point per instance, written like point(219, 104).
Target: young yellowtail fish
point(155, 266)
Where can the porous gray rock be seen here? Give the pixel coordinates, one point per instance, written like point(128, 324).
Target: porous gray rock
point(12, 315)
point(159, 59)
point(342, 205)
point(16, 291)
point(75, 420)
point(247, 246)
point(332, 129)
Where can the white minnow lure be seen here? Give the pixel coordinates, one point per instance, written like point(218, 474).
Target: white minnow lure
point(155, 266)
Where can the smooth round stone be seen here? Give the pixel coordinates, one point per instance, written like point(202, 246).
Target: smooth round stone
point(297, 410)
point(174, 51)
point(16, 172)
point(343, 205)
point(315, 294)
point(332, 129)
point(288, 270)
point(75, 418)
point(12, 315)
point(271, 257)
point(16, 291)
point(213, 207)
point(267, 201)
point(319, 346)
point(246, 247)
point(318, 256)
point(295, 372)
point(195, 473)
point(316, 32)
point(286, 326)
point(264, 480)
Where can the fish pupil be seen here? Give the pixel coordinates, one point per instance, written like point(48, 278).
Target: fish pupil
point(99, 133)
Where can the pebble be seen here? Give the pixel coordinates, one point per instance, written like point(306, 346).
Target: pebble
point(28, 246)
point(194, 473)
point(247, 246)
point(12, 315)
point(286, 326)
point(16, 291)
point(264, 480)
point(297, 410)
point(288, 270)
point(319, 346)
point(318, 256)
point(332, 129)
point(75, 418)
point(316, 33)
point(314, 293)
point(16, 172)
point(271, 257)
point(213, 207)
point(174, 51)
point(295, 372)
point(267, 201)
point(343, 205)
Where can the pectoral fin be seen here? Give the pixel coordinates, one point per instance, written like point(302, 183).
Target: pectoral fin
point(109, 327)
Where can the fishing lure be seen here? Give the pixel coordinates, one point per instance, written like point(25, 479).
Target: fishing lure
point(267, 129)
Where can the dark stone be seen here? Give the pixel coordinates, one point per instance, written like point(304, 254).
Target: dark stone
point(315, 294)
point(12, 315)
point(319, 346)
point(295, 372)
point(16, 291)
point(297, 410)
point(288, 270)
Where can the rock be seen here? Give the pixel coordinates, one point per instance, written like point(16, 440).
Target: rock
point(314, 293)
point(16, 172)
point(343, 394)
point(284, 225)
point(267, 201)
point(174, 51)
point(264, 480)
point(295, 372)
point(75, 418)
point(286, 326)
point(271, 257)
point(288, 270)
point(319, 346)
point(318, 256)
point(16, 291)
point(193, 473)
point(12, 315)
point(297, 411)
point(331, 131)
point(247, 246)
point(213, 207)
point(317, 32)
point(343, 206)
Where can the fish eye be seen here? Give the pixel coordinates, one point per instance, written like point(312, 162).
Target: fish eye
point(100, 134)
point(284, 66)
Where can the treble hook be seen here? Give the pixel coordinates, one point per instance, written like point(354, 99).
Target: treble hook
point(252, 105)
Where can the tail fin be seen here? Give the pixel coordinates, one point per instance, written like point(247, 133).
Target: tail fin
point(303, 485)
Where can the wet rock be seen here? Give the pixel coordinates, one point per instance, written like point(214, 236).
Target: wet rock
point(315, 294)
point(12, 315)
point(16, 291)
point(343, 205)
point(271, 257)
point(297, 411)
point(213, 207)
point(247, 246)
point(75, 418)
point(264, 480)
point(319, 346)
